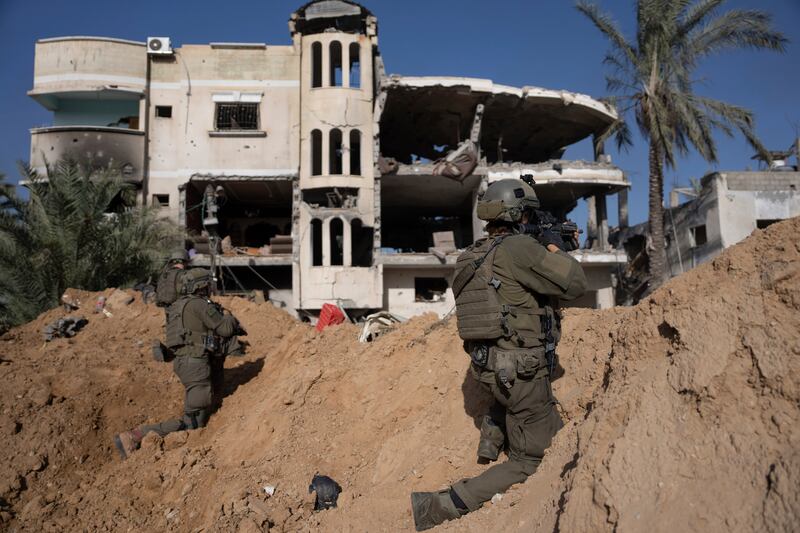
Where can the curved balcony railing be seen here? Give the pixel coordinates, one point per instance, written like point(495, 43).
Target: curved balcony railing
point(95, 145)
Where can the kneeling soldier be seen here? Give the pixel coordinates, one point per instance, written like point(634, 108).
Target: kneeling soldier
point(197, 332)
point(505, 288)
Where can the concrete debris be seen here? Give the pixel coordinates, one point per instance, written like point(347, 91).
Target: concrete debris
point(377, 324)
point(64, 328)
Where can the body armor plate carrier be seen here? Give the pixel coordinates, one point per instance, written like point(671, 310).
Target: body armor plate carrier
point(479, 312)
point(179, 336)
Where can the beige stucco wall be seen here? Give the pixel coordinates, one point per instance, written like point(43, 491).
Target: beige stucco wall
point(399, 294)
point(183, 146)
point(87, 64)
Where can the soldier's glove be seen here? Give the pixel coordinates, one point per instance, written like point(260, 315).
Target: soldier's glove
point(549, 237)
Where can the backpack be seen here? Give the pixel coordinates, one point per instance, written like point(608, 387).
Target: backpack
point(169, 286)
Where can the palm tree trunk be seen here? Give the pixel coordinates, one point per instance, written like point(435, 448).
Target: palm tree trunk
point(658, 260)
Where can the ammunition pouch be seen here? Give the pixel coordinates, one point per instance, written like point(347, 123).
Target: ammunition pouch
point(161, 353)
point(508, 365)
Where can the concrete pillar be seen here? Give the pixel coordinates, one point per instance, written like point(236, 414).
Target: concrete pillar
point(622, 204)
point(477, 224)
point(591, 222)
point(326, 151)
point(347, 242)
point(326, 242)
point(326, 64)
point(346, 153)
point(674, 198)
point(599, 148)
point(605, 298)
point(346, 64)
point(602, 221)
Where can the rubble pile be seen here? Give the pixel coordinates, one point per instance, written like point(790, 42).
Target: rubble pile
point(681, 414)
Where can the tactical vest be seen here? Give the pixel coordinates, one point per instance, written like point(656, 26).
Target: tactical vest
point(167, 290)
point(480, 314)
point(193, 343)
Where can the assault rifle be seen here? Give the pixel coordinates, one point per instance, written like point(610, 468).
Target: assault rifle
point(239, 331)
point(547, 229)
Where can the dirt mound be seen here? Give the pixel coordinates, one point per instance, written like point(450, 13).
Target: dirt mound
point(682, 413)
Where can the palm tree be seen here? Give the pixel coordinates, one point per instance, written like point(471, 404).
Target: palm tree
point(77, 229)
point(651, 77)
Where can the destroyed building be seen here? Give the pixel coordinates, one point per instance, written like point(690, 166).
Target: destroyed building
point(722, 209)
point(326, 179)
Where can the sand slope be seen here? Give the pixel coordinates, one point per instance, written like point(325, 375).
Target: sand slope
point(682, 414)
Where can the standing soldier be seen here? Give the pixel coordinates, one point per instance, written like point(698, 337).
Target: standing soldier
point(505, 286)
point(197, 331)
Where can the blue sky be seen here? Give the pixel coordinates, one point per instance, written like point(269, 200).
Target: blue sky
point(545, 43)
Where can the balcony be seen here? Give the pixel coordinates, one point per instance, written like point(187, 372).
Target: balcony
point(98, 145)
point(70, 66)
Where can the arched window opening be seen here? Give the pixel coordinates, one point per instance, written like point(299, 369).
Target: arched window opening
point(337, 241)
point(316, 242)
point(336, 64)
point(355, 65)
point(355, 153)
point(335, 146)
point(361, 240)
point(316, 153)
point(316, 64)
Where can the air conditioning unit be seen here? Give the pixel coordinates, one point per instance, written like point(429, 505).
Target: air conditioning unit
point(159, 46)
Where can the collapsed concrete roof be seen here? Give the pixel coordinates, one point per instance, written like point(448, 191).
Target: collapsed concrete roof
point(319, 15)
point(528, 124)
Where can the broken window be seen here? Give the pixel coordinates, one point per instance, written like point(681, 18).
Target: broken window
point(764, 222)
point(337, 241)
point(316, 153)
point(335, 147)
point(355, 66)
point(316, 242)
point(430, 289)
point(236, 116)
point(332, 197)
point(164, 111)
point(355, 153)
point(361, 241)
point(160, 200)
point(698, 234)
point(406, 229)
point(316, 64)
point(253, 214)
point(335, 64)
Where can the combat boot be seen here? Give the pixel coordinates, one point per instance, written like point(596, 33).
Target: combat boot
point(492, 440)
point(488, 451)
point(433, 508)
point(128, 442)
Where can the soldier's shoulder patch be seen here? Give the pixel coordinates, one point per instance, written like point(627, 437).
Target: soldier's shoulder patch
point(212, 311)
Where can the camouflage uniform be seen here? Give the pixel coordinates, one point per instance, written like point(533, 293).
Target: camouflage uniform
point(507, 288)
point(198, 335)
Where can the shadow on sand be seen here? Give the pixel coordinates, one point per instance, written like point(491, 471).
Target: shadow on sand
point(239, 375)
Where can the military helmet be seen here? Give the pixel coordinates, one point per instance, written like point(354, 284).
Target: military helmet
point(195, 280)
point(506, 200)
point(179, 255)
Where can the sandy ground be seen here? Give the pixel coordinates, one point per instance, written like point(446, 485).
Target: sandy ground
point(681, 415)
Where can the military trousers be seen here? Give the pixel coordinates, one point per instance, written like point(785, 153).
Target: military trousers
point(195, 375)
point(217, 380)
point(531, 422)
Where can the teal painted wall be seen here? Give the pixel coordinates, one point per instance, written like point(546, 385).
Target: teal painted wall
point(85, 112)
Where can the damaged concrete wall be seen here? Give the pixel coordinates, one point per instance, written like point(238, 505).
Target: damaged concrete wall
point(188, 143)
